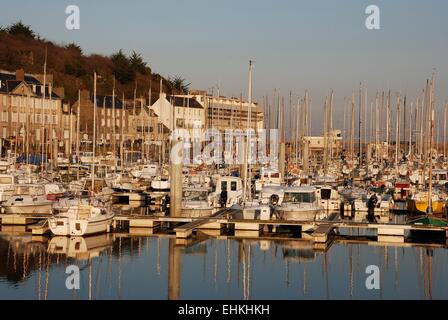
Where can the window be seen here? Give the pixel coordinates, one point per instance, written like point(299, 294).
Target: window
point(108, 123)
point(5, 116)
point(38, 134)
point(22, 117)
point(66, 134)
point(233, 186)
point(5, 133)
point(14, 117)
point(55, 120)
point(179, 123)
point(223, 185)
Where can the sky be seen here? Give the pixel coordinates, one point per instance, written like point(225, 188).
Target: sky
point(297, 45)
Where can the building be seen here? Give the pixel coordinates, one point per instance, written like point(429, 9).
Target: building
point(229, 113)
point(179, 112)
point(30, 111)
point(106, 115)
point(316, 144)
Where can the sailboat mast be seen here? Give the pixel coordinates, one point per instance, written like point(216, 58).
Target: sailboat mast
point(94, 130)
point(42, 115)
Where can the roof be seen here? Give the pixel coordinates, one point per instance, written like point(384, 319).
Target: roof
point(9, 83)
point(184, 102)
point(106, 101)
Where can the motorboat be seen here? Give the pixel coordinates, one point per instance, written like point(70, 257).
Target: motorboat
point(28, 200)
point(328, 197)
point(196, 202)
point(300, 203)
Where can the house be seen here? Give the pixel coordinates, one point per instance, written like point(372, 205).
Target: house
point(29, 110)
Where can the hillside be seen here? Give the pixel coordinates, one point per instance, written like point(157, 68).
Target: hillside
point(20, 47)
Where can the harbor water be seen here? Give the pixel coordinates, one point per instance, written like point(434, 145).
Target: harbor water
point(120, 265)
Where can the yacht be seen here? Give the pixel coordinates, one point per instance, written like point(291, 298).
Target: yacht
point(300, 203)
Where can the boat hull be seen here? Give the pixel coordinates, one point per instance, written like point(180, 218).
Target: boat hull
point(63, 226)
point(300, 215)
point(44, 209)
point(419, 207)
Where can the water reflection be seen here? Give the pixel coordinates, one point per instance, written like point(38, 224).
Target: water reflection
point(120, 266)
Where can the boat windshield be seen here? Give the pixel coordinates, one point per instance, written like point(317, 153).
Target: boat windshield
point(296, 197)
point(195, 195)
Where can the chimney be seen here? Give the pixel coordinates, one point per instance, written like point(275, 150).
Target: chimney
point(20, 75)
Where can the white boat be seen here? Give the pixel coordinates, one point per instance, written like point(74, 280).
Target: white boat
point(272, 195)
point(196, 202)
point(328, 198)
point(268, 177)
point(160, 184)
point(300, 203)
point(7, 183)
point(383, 205)
point(252, 211)
point(228, 191)
point(28, 200)
point(81, 220)
point(147, 171)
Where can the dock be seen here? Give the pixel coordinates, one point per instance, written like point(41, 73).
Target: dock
point(320, 232)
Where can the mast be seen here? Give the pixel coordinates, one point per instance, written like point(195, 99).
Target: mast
point(42, 119)
point(77, 133)
point(431, 133)
point(114, 123)
point(94, 131)
point(246, 149)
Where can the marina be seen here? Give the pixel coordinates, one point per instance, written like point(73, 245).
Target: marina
point(302, 172)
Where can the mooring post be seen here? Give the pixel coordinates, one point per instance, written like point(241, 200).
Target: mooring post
point(176, 178)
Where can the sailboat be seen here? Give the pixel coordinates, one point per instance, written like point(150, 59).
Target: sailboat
point(428, 203)
point(84, 218)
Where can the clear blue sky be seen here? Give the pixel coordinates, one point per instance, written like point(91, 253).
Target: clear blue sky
point(297, 45)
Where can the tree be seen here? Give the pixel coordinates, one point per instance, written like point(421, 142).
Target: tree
point(74, 48)
point(122, 68)
point(179, 83)
point(19, 29)
point(137, 63)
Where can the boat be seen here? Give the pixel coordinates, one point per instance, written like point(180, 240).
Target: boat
point(300, 203)
point(147, 171)
point(268, 177)
point(81, 220)
point(161, 183)
point(402, 191)
point(228, 191)
point(7, 183)
point(196, 202)
point(328, 197)
point(28, 200)
point(417, 204)
point(252, 211)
